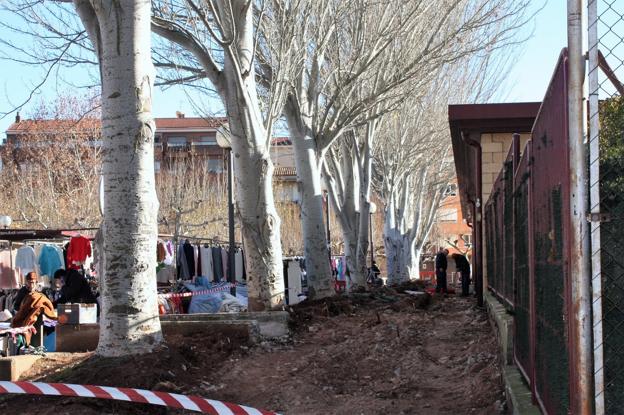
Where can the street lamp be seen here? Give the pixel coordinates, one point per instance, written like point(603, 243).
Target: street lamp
point(5, 221)
point(372, 210)
point(224, 140)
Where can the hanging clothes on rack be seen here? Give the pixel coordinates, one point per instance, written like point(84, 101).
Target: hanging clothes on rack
point(161, 252)
point(217, 261)
point(225, 261)
point(238, 265)
point(197, 270)
point(169, 249)
point(182, 264)
point(25, 260)
point(205, 252)
point(9, 277)
point(50, 260)
point(78, 251)
point(189, 254)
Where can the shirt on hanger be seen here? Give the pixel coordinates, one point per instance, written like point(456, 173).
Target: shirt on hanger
point(206, 262)
point(79, 249)
point(9, 278)
point(49, 260)
point(238, 265)
point(25, 259)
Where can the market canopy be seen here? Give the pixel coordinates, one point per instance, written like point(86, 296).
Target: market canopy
point(16, 235)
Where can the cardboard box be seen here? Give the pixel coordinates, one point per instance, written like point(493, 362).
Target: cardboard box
point(77, 313)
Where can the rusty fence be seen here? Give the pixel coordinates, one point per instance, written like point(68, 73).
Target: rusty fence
point(528, 233)
point(528, 223)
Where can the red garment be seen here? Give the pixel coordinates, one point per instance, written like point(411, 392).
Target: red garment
point(79, 249)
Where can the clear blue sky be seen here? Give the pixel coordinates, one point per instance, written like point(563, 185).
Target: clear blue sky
point(527, 80)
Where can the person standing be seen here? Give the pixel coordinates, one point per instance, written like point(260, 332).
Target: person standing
point(441, 265)
point(75, 288)
point(463, 266)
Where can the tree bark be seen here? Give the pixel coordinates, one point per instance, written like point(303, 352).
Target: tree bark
point(315, 245)
point(260, 223)
point(121, 34)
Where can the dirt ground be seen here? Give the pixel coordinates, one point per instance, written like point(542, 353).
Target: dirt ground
point(380, 353)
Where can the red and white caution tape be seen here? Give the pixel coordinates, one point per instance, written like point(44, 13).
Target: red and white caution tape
point(225, 287)
point(172, 400)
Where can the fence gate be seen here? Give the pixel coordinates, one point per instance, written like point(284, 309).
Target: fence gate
point(606, 181)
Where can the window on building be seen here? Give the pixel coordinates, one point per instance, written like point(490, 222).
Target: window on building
point(214, 165)
point(447, 215)
point(156, 166)
point(206, 140)
point(157, 139)
point(176, 141)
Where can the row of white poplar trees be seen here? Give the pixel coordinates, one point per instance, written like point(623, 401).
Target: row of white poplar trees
point(362, 86)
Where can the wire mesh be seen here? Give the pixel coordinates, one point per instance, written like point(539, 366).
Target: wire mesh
point(508, 234)
point(550, 192)
point(496, 234)
point(521, 271)
point(606, 163)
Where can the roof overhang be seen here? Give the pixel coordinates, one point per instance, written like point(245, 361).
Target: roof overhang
point(468, 122)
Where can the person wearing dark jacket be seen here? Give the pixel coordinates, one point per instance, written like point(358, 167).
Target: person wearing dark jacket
point(463, 266)
point(75, 289)
point(21, 294)
point(441, 264)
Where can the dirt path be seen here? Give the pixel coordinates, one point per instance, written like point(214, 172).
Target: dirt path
point(351, 356)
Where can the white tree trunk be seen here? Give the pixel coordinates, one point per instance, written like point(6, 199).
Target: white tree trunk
point(129, 320)
point(316, 251)
point(403, 252)
point(260, 223)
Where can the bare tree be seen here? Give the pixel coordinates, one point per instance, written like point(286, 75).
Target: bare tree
point(120, 34)
point(413, 165)
point(193, 199)
point(361, 60)
point(348, 171)
point(51, 166)
point(414, 169)
point(215, 39)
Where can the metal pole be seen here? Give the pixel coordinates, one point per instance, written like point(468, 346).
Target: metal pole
point(231, 261)
point(594, 183)
point(327, 223)
point(477, 250)
point(372, 253)
point(11, 257)
point(580, 306)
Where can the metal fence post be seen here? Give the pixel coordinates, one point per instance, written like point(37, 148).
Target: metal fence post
point(594, 186)
point(580, 310)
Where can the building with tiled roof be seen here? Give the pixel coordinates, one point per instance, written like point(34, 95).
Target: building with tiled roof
point(176, 139)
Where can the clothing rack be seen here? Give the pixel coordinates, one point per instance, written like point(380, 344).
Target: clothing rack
point(216, 242)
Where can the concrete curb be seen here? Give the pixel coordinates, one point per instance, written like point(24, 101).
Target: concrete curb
point(517, 393)
point(12, 367)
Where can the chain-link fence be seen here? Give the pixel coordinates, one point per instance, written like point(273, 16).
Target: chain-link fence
point(508, 230)
point(606, 179)
point(523, 334)
point(499, 235)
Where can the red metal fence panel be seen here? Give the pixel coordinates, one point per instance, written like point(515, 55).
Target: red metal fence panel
point(527, 228)
point(551, 193)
